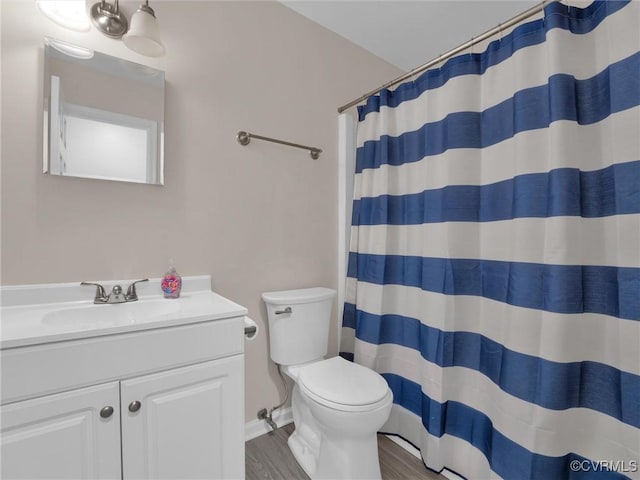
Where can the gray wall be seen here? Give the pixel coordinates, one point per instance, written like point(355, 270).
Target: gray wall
point(257, 218)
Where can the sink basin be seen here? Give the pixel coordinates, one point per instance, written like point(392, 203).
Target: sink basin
point(111, 315)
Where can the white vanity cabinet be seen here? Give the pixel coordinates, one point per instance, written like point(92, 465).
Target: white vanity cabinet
point(62, 436)
point(156, 402)
point(185, 422)
point(181, 423)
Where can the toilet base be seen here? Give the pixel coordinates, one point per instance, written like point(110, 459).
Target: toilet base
point(304, 442)
point(336, 460)
point(336, 447)
point(349, 460)
point(303, 454)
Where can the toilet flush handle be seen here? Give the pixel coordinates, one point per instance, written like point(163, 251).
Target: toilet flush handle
point(286, 310)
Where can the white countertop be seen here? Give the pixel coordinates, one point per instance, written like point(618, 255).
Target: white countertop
point(30, 315)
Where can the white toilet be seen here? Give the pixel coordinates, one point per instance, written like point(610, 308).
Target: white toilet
point(338, 406)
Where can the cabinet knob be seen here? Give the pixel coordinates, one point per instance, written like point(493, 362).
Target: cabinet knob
point(134, 406)
point(106, 412)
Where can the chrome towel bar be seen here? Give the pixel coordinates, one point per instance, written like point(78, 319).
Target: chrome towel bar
point(245, 137)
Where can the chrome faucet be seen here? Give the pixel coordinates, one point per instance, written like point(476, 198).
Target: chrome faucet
point(116, 295)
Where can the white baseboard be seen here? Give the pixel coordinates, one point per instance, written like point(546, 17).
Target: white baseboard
point(257, 427)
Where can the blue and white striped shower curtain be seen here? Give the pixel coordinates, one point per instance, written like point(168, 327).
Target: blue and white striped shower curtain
point(494, 267)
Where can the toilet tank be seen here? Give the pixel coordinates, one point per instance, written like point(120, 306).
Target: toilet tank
point(299, 324)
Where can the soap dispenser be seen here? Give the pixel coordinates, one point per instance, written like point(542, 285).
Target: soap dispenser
point(171, 283)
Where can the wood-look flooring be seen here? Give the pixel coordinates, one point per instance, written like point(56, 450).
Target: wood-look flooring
point(268, 458)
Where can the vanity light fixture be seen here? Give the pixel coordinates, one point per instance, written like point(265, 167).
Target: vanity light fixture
point(108, 19)
point(69, 14)
point(144, 35)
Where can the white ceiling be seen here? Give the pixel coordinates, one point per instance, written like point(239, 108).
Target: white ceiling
point(409, 33)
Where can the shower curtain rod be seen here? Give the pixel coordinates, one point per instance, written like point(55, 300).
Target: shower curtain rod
point(474, 40)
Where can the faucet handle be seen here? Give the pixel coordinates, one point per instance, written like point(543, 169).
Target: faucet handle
point(101, 295)
point(132, 295)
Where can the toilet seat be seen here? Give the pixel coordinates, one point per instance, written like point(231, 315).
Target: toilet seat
point(342, 385)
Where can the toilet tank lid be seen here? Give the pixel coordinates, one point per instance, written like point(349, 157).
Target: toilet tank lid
point(303, 295)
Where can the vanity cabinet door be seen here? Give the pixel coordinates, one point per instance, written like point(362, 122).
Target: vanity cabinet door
point(185, 423)
point(70, 435)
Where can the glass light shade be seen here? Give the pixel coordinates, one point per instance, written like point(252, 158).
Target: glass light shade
point(144, 35)
point(71, 14)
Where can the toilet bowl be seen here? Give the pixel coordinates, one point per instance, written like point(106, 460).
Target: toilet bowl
point(338, 406)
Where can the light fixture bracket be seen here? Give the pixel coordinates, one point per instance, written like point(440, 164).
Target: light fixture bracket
point(107, 18)
point(146, 8)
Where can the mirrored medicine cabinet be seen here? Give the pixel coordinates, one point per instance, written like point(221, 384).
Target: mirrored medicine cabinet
point(103, 116)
